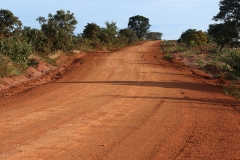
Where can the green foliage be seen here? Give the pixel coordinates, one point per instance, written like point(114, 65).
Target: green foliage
point(56, 33)
point(140, 25)
point(91, 31)
point(59, 29)
point(229, 11)
point(9, 24)
point(111, 32)
point(127, 35)
point(172, 47)
point(4, 67)
point(154, 36)
point(231, 68)
point(18, 51)
point(231, 90)
point(168, 56)
point(37, 38)
point(227, 32)
point(193, 37)
point(199, 38)
point(184, 38)
point(223, 33)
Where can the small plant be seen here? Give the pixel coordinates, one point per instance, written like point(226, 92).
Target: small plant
point(201, 62)
point(231, 68)
point(18, 51)
point(232, 90)
point(168, 56)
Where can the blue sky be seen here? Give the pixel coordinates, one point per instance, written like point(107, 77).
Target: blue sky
point(171, 17)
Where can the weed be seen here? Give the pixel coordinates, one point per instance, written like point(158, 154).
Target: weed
point(200, 62)
point(232, 90)
point(231, 66)
point(168, 56)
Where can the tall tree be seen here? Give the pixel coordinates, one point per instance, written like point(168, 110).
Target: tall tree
point(229, 11)
point(223, 34)
point(112, 30)
point(91, 31)
point(36, 37)
point(9, 24)
point(140, 25)
point(59, 29)
point(229, 14)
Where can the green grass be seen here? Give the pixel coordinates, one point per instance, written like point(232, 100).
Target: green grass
point(226, 60)
point(231, 90)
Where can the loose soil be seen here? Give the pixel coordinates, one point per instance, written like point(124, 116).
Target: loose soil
point(128, 104)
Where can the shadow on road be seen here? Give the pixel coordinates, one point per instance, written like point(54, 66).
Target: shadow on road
point(174, 84)
point(196, 101)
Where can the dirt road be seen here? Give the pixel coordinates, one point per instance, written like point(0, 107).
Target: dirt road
point(121, 105)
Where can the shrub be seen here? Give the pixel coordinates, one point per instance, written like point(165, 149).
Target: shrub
point(193, 37)
point(18, 51)
point(231, 68)
point(4, 68)
point(168, 56)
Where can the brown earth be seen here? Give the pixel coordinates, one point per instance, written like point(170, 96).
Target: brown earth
point(128, 104)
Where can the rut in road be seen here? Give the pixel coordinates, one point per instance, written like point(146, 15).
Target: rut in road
point(123, 105)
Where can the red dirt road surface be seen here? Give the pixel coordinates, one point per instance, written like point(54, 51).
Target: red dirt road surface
point(129, 104)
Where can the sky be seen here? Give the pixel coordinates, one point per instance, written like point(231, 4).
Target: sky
point(170, 17)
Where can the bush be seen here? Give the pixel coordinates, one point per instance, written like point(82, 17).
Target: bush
point(193, 37)
point(231, 68)
point(18, 51)
point(4, 68)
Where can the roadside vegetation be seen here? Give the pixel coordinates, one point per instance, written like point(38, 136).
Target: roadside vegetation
point(216, 51)
point(21, 46)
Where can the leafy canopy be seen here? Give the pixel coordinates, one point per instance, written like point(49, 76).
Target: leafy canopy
point(91, 31)
point(192, 36)
point(227, 32)
point(223, 33)
point(127, 34)
point(9, 24)
point(140, 25)
point(59, 29)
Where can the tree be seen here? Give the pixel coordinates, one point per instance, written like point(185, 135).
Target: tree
point(91, 31)
point(111, 30)
point(59, 29)
point(128, 34)
point(108, 34)
point(140, 25)
point(229, 14)
point(154, 36)
point(9, 24)
point(223, 34)
point(36, 37)
point(192, 36)
point(185, 36)
point(229, 11)
point(199, 38)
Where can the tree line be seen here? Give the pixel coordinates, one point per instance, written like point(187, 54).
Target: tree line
point(222, 40)
point(225, 33)
point(56, 33)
